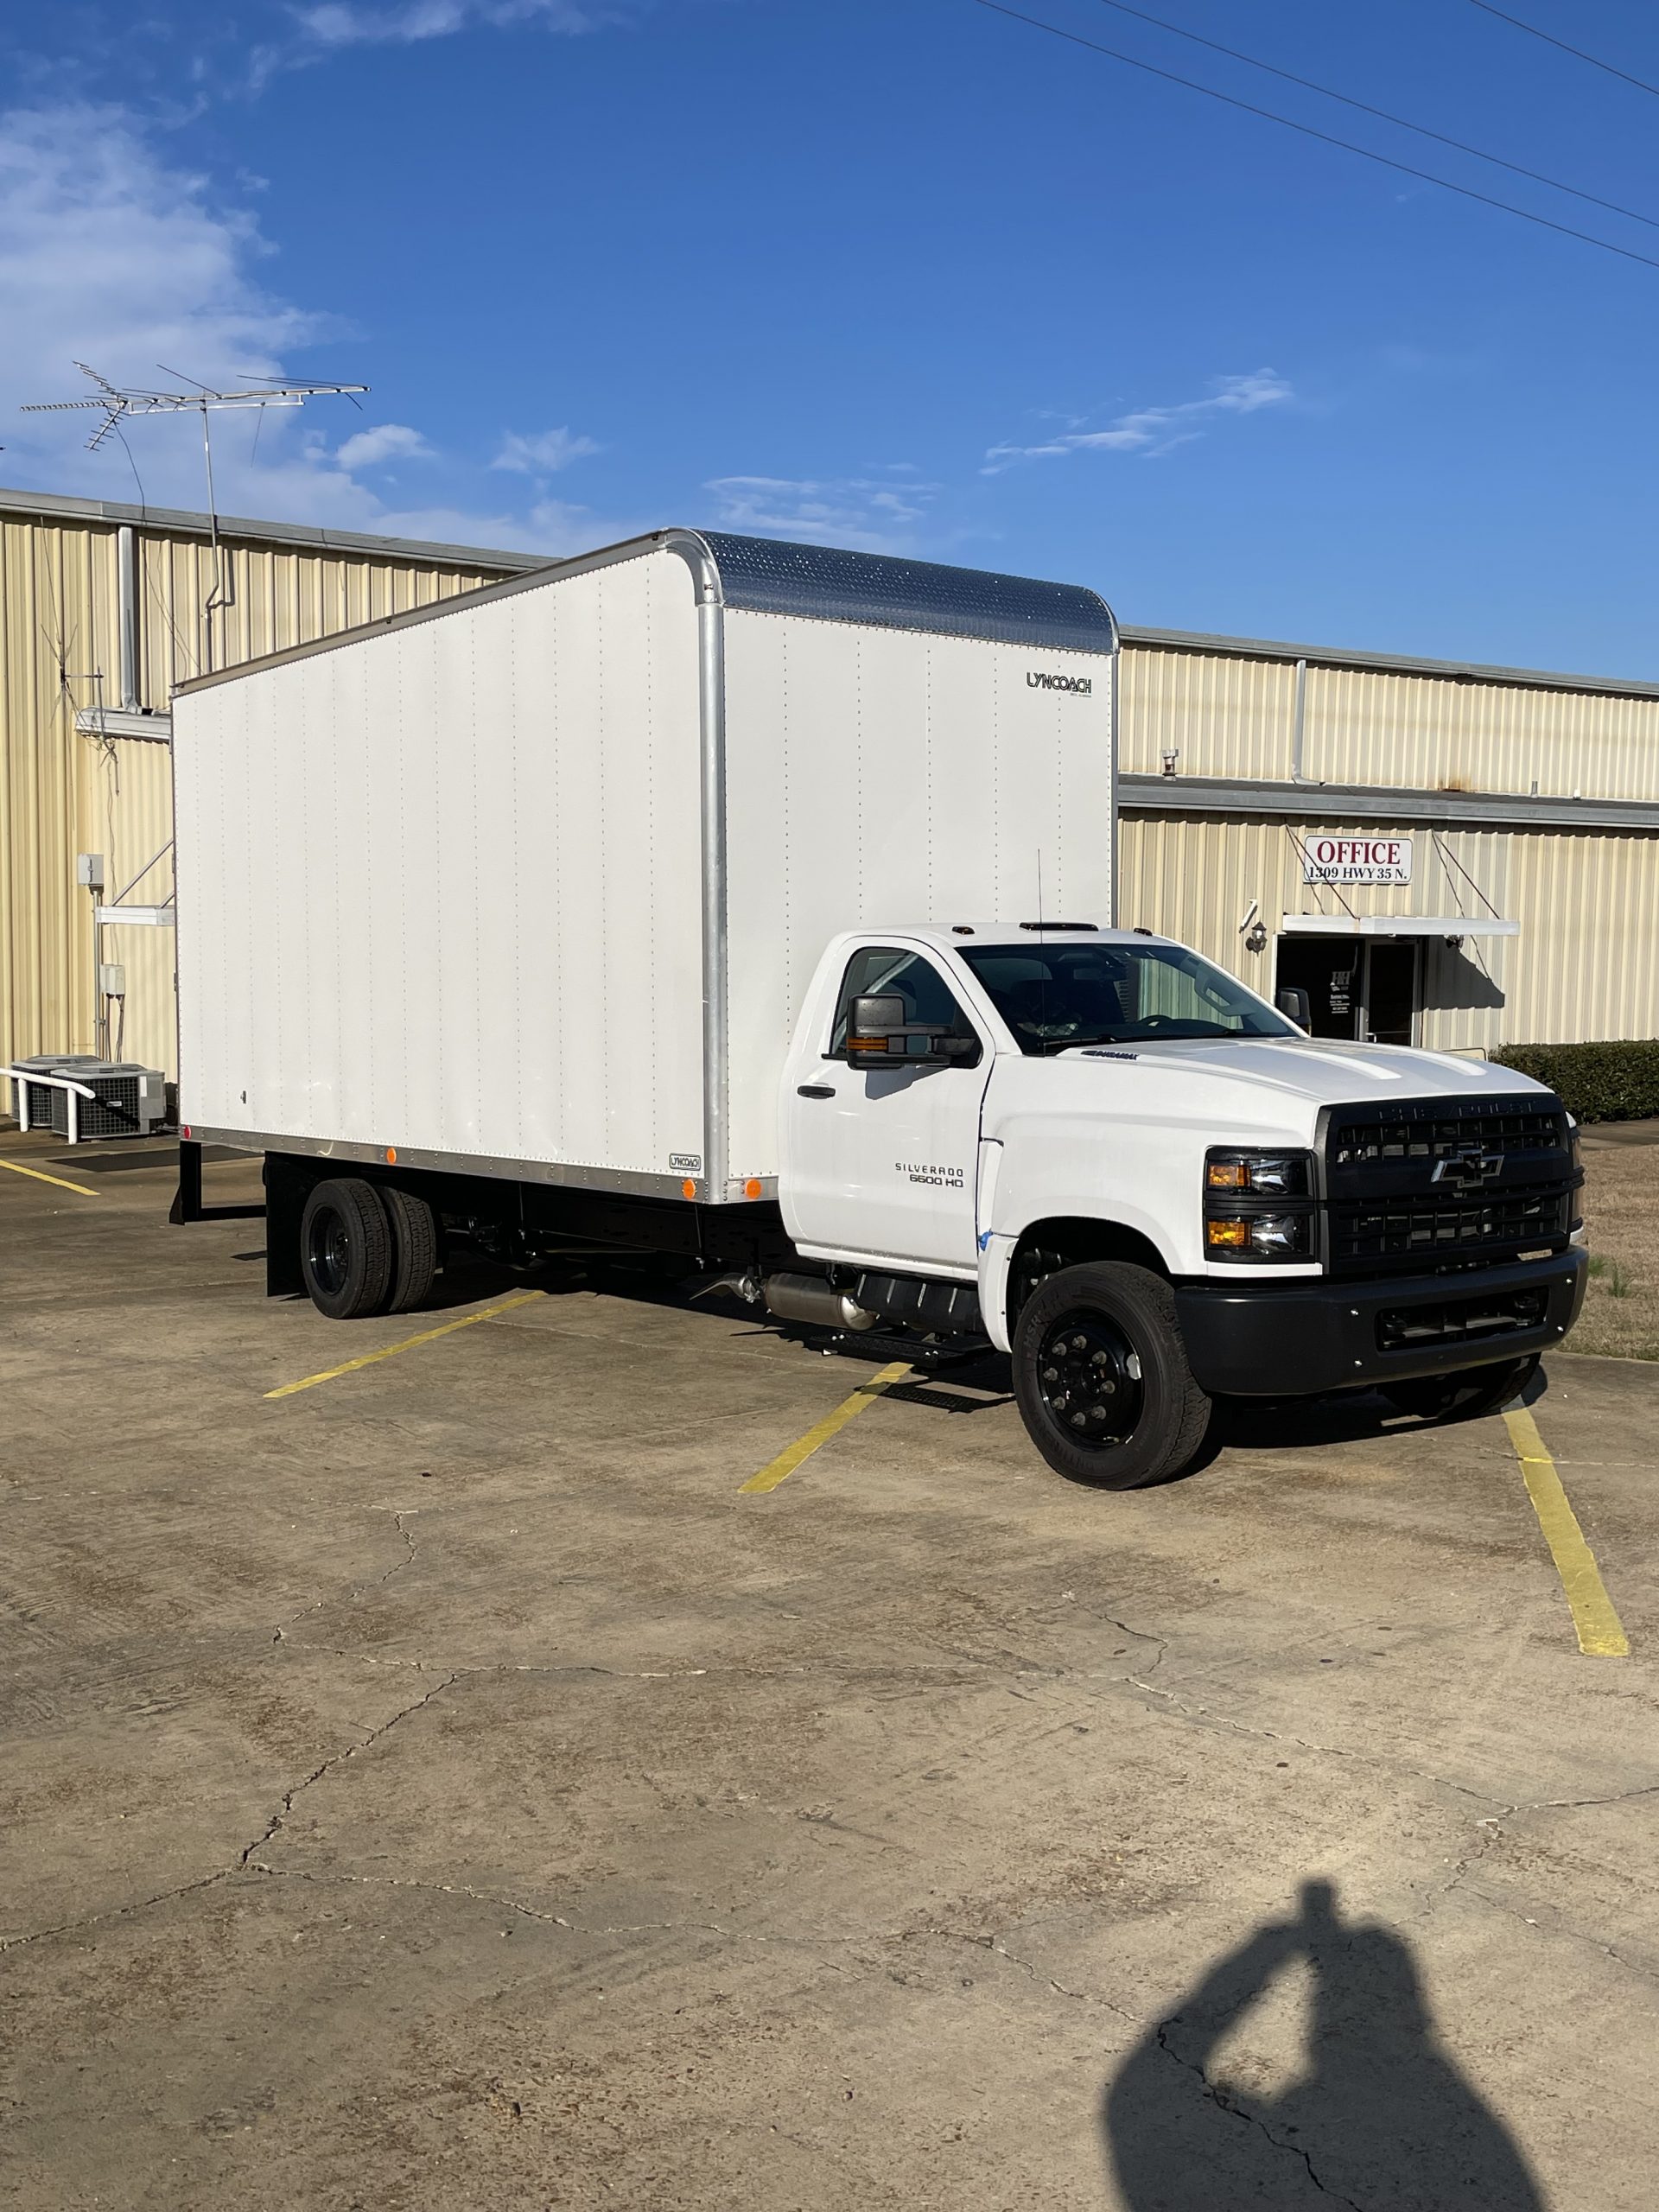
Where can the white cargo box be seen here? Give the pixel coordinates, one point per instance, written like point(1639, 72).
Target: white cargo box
point(530, 883)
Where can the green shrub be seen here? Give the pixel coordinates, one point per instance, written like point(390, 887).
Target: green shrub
point(1614, 1082)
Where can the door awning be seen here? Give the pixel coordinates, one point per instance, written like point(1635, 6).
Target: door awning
point(1397, 925)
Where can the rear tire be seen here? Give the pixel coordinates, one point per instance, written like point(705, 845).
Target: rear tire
point(345, 1255)
point(414, 1228)
point(1101, 1377)
point(1467, 1393)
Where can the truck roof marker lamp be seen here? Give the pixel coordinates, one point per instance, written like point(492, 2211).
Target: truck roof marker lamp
point(1092, 928)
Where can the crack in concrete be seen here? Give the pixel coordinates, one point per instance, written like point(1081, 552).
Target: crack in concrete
point(114, 1911)
point(1222, 2098)
point(244, 1860)
point(409, 1882)
point(357, 1589)
point(334, 1759)
point(1217, 1724)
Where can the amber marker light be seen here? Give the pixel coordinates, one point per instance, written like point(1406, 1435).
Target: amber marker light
point(752, 1188)
point(391, 1155)
point(1227, 1235)
point(1228, 1175)
point(688, 1189)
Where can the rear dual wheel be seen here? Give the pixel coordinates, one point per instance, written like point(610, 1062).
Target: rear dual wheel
point(366, 1249)
point(1101, 1377)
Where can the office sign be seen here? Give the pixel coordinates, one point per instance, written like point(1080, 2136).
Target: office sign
point(1356, 860)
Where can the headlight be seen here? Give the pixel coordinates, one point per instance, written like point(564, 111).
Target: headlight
point(1258, 1205)
point(1259, 1236)
point(1257, 1174)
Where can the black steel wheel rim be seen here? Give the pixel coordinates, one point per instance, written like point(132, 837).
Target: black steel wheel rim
point(329, 1251)
point(1089, 1374)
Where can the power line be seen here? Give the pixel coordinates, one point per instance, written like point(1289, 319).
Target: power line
point(1533, 31)
point(1422, 129)
point(1326, 137)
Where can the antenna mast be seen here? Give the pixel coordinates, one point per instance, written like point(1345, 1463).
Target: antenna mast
point(115, 402)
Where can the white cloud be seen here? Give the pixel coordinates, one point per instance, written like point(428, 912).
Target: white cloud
point(384, 441)
point(871, 512)
point(544, 454)
point(109, 254)
point(347, 22)
point(1151, 431)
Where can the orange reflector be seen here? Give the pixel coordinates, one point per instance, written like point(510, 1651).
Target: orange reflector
point(1228, 1175)
point(391, 1155)
point(1227, 1235)
point(752, 1188)
point(688, 1189)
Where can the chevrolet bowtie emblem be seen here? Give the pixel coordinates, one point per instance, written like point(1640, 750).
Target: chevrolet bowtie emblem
point(1467, 1168)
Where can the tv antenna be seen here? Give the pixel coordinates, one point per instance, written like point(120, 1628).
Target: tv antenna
point(115, 403)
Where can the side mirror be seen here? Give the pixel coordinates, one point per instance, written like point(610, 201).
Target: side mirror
point(879, 1036)
point(1292, 1003)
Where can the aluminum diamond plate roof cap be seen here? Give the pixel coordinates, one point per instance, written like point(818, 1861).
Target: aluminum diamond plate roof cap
point(829, 584)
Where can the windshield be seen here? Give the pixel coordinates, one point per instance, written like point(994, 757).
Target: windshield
point(1055, 997)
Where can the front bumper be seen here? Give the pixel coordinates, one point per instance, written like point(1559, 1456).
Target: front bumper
point(1271, 1340)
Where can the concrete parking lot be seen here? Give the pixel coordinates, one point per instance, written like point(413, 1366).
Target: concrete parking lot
point(445, 1786)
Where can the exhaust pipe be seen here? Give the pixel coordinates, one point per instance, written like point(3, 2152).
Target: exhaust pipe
point(810, 1298)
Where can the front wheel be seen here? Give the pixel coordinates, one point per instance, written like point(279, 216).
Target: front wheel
point(1467, 1393)
point(1101, 1377)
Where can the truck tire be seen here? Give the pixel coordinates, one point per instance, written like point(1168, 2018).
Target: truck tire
point(346, 1249)
point(1467, 1393)
point(1101, 1378)
point(414, 1228)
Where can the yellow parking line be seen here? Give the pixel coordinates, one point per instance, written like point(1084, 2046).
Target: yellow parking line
point(1601, 1633)
point(426, 1337)
point(778, 1470)
point(40, 1176)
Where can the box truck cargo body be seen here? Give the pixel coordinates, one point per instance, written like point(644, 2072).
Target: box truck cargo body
point(533, 885)
point(750, 905)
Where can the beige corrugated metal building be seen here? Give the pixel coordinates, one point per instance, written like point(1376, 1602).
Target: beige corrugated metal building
point(1528, 803)
point(1525, 806)
point(102, 609)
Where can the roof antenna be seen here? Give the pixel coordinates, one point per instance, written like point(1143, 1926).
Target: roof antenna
point(1039, 887)
point(116, 401)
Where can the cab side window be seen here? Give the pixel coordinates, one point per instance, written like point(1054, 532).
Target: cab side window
point(884, 969)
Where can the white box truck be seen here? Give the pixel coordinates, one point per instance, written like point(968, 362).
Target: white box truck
point(752, 904)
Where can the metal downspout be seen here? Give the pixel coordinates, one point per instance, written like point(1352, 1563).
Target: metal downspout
point(126, 555)
point(1298, 725)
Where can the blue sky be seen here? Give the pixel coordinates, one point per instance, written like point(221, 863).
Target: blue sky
point(910, 276)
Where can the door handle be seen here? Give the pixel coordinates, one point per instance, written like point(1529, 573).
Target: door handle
point(815, 1090)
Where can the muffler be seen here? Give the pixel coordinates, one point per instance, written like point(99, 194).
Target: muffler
point(810, 1298)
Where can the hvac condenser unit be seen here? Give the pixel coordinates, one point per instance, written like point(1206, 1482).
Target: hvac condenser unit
point(126, 1100)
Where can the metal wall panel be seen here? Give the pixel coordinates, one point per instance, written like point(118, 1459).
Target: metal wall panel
point(1585, 963)
point(1234, 714)
point(61, 793)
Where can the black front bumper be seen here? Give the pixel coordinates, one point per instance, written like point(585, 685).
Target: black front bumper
point(1289, 1340)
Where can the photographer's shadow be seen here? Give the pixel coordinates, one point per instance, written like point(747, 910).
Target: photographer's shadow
point(1380, 2116)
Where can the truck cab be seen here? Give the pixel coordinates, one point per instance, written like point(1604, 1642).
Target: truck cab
point(1153, 1188)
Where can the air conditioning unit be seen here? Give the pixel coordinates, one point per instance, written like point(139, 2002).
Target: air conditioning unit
point(127, 1099)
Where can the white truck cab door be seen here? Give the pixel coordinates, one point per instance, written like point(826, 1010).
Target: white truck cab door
point(882, 1162)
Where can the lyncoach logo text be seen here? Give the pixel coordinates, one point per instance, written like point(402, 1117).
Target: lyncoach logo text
point(1040, 681)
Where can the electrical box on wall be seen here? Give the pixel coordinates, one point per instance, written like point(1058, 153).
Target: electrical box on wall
point(89, 871)
point(112, 979)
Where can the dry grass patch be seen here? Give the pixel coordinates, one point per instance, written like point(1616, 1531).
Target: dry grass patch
point(1621, 1211)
